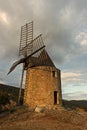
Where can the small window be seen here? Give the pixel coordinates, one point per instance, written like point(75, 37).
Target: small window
point(55, 97)
point(53, 73)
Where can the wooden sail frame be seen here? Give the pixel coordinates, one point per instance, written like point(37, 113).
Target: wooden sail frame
point(28, 47)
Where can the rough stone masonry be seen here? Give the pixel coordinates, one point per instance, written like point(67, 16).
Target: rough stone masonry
point(43, 87)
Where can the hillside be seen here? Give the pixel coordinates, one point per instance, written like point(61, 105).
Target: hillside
point(11, 90)
point(8, 97)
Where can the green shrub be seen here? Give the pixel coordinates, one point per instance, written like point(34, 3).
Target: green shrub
point(4, 98)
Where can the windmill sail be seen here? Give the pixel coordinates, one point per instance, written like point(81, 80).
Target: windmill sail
point(15, 64)
point(26, 39)
point(28, 48)
point(36, 43)
point(23, 60)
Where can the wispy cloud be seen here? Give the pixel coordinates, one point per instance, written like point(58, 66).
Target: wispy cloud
point(64, 28)
point(4, 19)
point(70, 75)
point(75, 96)
point(70, 78)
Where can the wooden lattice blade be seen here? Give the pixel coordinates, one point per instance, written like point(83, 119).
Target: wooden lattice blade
point(26, 38)
point(35, 52)
point(36, 43)
point(23, 60)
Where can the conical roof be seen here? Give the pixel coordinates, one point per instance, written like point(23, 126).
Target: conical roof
point(43, 59)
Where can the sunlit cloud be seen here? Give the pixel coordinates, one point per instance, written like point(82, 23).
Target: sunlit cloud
point(78, 95)
point(4, 18)
point(84, 42)
point(70, 79)
point(81, 38)
point(69, 75)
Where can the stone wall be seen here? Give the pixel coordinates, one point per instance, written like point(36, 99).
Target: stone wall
point(41, 84)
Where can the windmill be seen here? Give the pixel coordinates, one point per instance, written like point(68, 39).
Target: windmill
point(30, 49)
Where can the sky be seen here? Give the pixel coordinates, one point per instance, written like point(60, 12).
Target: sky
point(63, 24)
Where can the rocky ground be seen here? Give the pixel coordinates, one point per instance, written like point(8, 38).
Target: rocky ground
point(22, 118)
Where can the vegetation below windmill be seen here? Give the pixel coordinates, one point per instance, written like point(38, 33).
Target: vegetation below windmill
point(8, 97)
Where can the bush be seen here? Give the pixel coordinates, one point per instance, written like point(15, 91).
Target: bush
point(4, 98)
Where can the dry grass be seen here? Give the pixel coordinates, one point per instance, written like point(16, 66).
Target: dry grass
point(24, 119)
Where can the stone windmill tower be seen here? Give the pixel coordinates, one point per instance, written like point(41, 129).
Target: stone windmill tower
point(43, 81)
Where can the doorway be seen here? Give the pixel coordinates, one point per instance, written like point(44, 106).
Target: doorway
point(55, 97)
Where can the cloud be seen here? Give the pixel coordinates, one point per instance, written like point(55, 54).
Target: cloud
point(75, 96)
point(64, 28)
point(70, 79)
point(81, 38)
point(4, 18)
point(55, 21)
point(70, 75)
